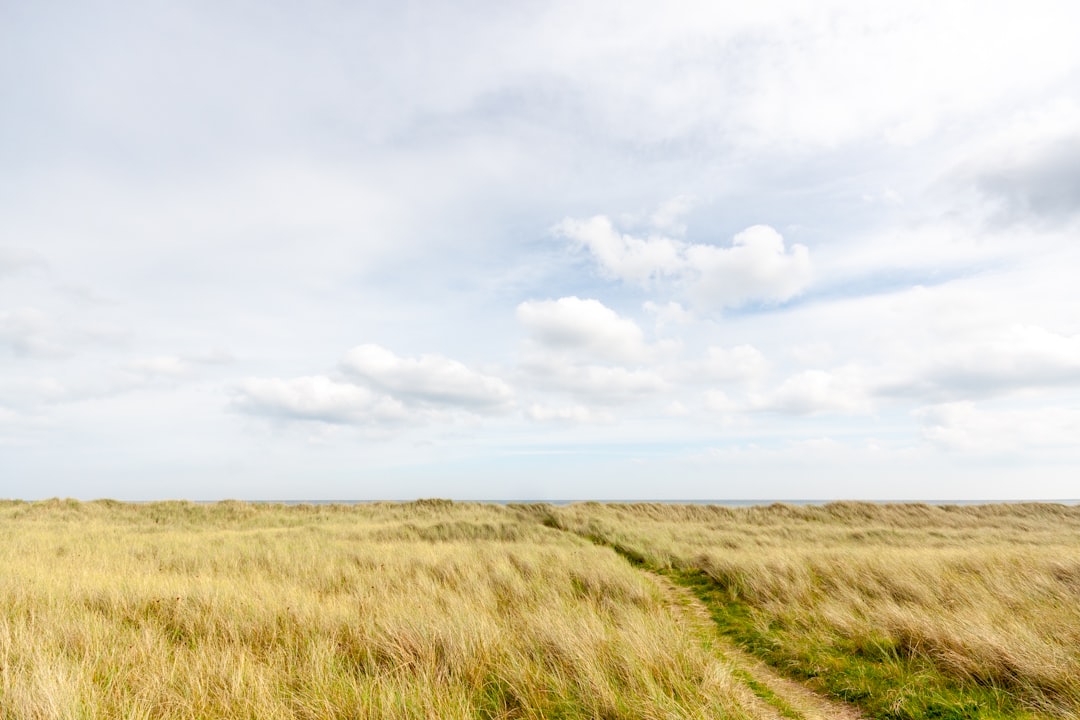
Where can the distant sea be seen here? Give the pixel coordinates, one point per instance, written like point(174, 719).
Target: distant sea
point(727, 502)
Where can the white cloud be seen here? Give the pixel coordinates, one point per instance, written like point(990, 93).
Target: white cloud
point(668, 218)
point(381, 388)
point(567, 414)
point(428, 379)
point(625, 257)
point(594, 383)
point(317, 398)
point(819, 447)
point(756, 268)
point(567, 338)
point(28, 332)
point(965, 427)
point(718, 401)
point(676, 409)
point(378, 387)
point(8, 416)
point(740, 363)
point(814, 352)
point(1028, 168)
point(160, 366)
point(1020, 357)
point(32, 394)
point(670, 313)
point(815, 392)
point(12, 260)
point(586, 327)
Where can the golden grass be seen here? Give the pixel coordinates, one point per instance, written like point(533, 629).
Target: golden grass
point(419, 610)
point(989, 596)
point(441, 610)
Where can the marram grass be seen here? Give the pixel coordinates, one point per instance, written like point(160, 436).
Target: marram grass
point(430, 610)
point(444, 610)
point(909, 611)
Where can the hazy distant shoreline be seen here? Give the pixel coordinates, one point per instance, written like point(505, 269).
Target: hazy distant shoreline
point(562, 501)
point(722, 503)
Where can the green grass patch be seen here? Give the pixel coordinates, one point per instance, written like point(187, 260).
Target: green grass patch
point(873, 675)
point(767, 695)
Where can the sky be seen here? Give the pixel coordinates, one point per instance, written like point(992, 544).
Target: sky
point(540, 250)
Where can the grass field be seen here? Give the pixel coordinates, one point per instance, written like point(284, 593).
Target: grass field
point(446, 610)
point(909, 611)
point(424, 610)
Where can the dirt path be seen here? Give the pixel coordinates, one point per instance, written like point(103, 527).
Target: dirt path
point(769, 694)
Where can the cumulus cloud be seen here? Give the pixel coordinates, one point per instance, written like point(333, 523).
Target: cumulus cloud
point(318, 398)
point(757, 267)
point(586, 327)
point(376, 386)
point(625, 257)
point(428, 379)
point(585, 349)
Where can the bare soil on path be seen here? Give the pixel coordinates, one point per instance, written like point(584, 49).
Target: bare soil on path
point(790, 699)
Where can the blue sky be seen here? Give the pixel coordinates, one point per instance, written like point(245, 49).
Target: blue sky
point(535, 250)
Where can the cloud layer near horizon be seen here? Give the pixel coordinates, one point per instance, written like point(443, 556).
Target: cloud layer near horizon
point(775, 250)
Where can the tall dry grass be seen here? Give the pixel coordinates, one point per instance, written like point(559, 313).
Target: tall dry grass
point(419, 610)
point(988, 596)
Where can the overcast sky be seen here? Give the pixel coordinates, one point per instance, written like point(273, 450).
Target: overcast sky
point(538, 250)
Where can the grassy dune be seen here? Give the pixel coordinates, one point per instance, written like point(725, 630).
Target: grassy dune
point(443, 610)
point(910, 611)
point(424, 610)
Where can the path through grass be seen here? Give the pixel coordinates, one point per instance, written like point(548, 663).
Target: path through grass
point(910, 612)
